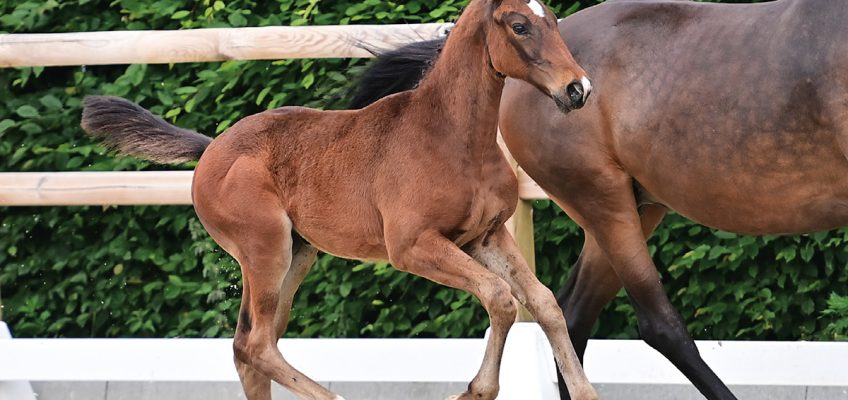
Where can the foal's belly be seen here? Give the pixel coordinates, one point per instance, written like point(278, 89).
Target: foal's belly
point(763, 183)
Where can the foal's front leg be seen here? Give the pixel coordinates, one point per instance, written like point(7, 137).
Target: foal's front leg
point(436, 258)
point(500, 254)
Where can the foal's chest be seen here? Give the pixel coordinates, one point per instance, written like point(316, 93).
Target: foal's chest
point(491, 203)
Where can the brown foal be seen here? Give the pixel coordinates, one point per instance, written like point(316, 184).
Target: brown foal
point(416, 178)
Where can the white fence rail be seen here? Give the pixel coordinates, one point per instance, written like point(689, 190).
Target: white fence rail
point(527, 368)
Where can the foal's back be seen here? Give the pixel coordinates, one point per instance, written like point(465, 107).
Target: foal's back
point(719, 111)
point(321, 165)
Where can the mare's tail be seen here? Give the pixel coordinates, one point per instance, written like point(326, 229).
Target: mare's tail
point(395, 71)
point(131, 130)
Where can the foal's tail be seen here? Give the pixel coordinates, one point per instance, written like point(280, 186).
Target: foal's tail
point(395, 71)
point(131, 130)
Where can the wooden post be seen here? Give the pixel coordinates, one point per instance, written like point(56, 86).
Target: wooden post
point(521, 227)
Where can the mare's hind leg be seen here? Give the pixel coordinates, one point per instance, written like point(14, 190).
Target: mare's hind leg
point(436, 258)
point(500, 254)
point(592, 285)
point(255, 384)
point(617, 229)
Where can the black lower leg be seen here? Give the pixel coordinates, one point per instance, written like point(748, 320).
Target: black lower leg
point(664, 330)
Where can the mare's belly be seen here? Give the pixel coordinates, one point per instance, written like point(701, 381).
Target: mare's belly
point(786, 189)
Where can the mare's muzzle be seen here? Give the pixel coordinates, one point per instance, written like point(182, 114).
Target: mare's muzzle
point(574, 95)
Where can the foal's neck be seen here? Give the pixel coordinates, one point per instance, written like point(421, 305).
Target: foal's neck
point(462, 91)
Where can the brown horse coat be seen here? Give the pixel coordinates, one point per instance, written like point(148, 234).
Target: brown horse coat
point(735, 116)
point(417, 179)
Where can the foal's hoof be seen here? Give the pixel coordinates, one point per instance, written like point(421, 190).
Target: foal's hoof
point(464, 396)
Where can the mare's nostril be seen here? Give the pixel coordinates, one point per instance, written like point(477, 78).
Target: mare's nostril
point(575, 91)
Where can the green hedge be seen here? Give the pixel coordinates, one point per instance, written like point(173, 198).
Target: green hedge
point(152, 271)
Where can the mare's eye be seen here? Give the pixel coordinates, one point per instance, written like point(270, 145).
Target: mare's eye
point(520, 29)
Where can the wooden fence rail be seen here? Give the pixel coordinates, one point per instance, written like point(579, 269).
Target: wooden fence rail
point(122, 188)
point(214, 44)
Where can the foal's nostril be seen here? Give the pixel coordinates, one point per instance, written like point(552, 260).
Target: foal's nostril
point(576, 91)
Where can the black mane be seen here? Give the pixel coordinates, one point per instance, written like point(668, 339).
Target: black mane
point(395, 71)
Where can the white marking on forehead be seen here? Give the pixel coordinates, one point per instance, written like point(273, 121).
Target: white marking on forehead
point(537, 8)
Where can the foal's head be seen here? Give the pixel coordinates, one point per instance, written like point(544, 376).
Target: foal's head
point(524, 43)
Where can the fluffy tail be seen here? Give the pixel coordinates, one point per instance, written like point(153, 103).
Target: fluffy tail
point(131, 130)
point(395, 71)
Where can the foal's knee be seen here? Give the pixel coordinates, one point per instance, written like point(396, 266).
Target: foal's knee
point(500, 302)
point(542, 304)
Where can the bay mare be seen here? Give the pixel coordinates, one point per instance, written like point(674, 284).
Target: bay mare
point(417, 179)
point(735, 116)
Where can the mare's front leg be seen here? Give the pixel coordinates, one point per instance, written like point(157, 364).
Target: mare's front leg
point(617, 229)
point(500, 254)
point(432, 256)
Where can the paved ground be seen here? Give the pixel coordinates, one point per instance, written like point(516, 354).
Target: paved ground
point(396, 391)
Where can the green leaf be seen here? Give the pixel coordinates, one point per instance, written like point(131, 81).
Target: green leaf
point(135, 73)
point(308, 80)
point(345, 288)
point(237, 20)
point(51, 102)
point(27, 111)
point(180, 14)
point(724, 235)
point(6, 124)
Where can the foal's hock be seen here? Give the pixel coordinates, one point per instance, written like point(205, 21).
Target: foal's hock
point(416, 178)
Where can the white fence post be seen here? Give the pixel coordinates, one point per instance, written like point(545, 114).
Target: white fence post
point(527, 370)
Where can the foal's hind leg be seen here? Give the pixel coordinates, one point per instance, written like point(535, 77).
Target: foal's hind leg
point(436, 258)
point(265, 258)
point(500, 254)
point(243, 213)
point(255, 384)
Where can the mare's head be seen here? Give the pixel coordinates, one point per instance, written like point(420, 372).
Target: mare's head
point(524, 43)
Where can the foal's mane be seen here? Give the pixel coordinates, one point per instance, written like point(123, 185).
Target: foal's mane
point(395, 71)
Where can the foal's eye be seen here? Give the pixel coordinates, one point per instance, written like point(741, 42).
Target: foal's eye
point(519, 29)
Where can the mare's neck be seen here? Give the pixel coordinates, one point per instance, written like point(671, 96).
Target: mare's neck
point(462, 91)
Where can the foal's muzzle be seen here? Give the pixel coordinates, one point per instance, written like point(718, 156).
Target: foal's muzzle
point(574, 95)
